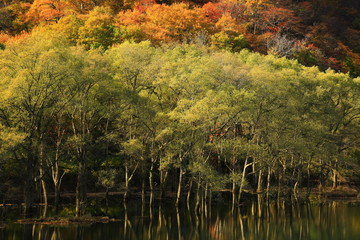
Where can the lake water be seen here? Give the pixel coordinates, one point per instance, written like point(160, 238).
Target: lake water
point(326, 220)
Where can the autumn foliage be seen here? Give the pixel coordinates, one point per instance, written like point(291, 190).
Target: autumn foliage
point(47, 10)
point(162, 23)
point(320, 32)
point(111, 90)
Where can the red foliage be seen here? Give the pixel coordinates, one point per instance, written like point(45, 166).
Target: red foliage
point(142, 5)
point(277, 19)
point(213, 11)
point(305, 6)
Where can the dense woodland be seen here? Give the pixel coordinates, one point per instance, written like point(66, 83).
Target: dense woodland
point(325, 33)
point(178, 99)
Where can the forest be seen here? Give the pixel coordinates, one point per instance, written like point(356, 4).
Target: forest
point(179, 99)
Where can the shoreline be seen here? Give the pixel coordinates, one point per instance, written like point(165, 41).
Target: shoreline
point(341, 192)
point(66, 220)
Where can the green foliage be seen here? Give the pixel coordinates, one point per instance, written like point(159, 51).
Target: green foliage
point(354, 69)
point(222, 40)
point(306, 56)
point(130, 33)
point(133, 147)
point(69, 26)
point(9, 138)
point(98, 30)
point(106, 178)
point(135, 109)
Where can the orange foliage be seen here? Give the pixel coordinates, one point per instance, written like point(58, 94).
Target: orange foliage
point(213, 11)
point(47, 10)
point(162, 23)
point(142, 5)
point(4, 38)
point(228, 24)
point(18, 16)
point(82, 6)
point(129, 18)
point(20, 36)
point(167, 23)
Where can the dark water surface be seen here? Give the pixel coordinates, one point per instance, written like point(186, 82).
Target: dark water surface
point(325, 220)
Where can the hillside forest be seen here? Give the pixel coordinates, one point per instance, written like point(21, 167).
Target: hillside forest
point(180, 99)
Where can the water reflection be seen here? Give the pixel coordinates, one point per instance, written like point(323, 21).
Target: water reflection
point(256, 220)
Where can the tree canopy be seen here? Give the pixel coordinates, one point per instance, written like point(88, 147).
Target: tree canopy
point(140, 114)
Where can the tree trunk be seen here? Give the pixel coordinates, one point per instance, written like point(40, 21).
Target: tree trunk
point(43, 183)
point(233, 194)
point(143, 191)
point(243, 176)
point(259, 182)
point(163, 178)
point(335, 175)
point(198, 194)
point(45, 198)
point(210, 200)
point(128, 179)
point(178, 223)
point(322, 170)
point(57, 195)
point(151, 182)
point(295, 190)
point(268, 183)
point(189, 192)
point(81, 189)
point(335, 179)
point(126, 182)
point(29, 185)
point(178, 195)
point(279, 188)
point(308, 189)
point(55, 170)
point(206, 198)
point(142, 197)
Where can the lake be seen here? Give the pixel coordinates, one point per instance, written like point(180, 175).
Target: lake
point(276, 220)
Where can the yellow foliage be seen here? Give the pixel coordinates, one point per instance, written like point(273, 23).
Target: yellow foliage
point(228, 24)
point(9, 138)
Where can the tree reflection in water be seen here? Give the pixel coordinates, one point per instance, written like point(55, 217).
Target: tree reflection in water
point(256, 220)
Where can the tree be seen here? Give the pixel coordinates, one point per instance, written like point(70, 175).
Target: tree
point(87, 112)
point(339, 96)
point(132, 65)
point(163, 23)
point(47, 11)
point(229, 36)
point(98, 29)
point(279, 20)
point(32, 78)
